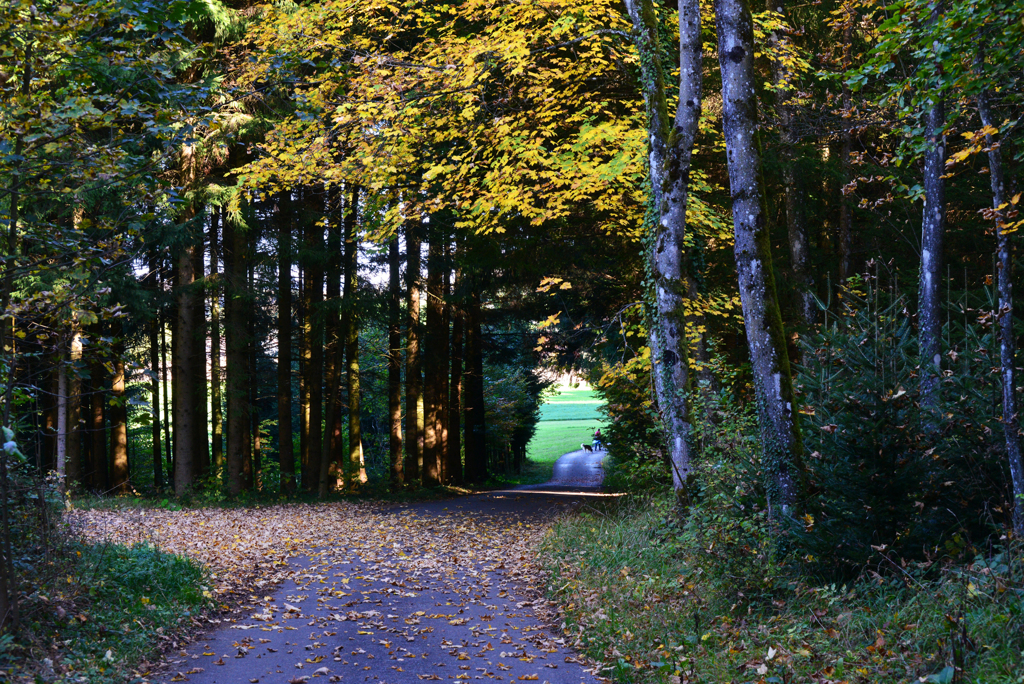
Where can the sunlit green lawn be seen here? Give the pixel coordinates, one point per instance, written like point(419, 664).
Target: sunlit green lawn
point(568, 419)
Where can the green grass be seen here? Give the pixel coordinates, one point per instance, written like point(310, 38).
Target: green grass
point(568, 419)
point(641, 593)
point(571, 404)
point(557, 437)
point(110, 609)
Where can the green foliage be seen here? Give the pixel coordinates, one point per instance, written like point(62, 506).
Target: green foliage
point(656, 601)
point(633, 428)
point(107, 609)
point(886, 484)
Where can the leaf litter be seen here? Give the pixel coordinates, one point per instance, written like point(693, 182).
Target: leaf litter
point(359, 592)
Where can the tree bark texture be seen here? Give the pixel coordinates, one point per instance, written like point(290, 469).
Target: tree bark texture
point(395, 364)
point(216, 396)
point(97, 426)
point(154, 388)
point(357, 466)
point(236, 330)
point(200, 430)
point(444, 370)
point(780, 436)
point(413, 361)
point(453, 467)
point(794, 196)
point(313, 337)
point(436, 343)
point(1007, 341)
point(671, 148)
point(61, 449)
point(185, 375)
point(329, 461)
point(73, 444)
point(475, 423)
point(118, 422)
point(933, 228)
point(252, 465)
point(284, 342)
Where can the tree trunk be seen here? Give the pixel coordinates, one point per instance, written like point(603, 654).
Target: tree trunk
point(154, 389)
point(254, 463)
point(329, 462)
point(74, 446)
point(200, 430)
point(395, 363)
point(475, 425)
point(313, 338)
point(453, 467)
point(845, 206)
point(165, 381)
point(118, 421)
point(780, 437)
point(185, 376)
point(303, 315)
point(933, 227)
point(671, 149)
point(444, 362)
point(284, 342)
point(350, 324)
point(217, 426)
point(1007, 341)
point(63, 426)
point(97, 427)
point(432, 379)
point(236, 349)
point(795, 197)
point(413, 362)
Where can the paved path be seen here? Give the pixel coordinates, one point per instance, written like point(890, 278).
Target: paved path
point(451, 610)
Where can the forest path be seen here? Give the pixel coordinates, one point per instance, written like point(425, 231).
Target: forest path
point(441, 590)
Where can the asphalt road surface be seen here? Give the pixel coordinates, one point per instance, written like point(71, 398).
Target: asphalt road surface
point(382, 616)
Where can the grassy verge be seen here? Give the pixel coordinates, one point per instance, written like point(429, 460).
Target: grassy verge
point(642, 595)
point(107, 610)
point(556, 437)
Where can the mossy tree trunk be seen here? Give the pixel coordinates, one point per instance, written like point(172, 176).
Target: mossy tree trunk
point(780, 437)
point(671, 148)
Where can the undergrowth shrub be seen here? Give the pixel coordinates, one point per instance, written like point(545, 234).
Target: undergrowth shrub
point(891, 480)
point(653, 603)
point(633, 432)
point(728, 516)
point(81, 612)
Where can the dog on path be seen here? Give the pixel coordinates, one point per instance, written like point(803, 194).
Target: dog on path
point(587, 447)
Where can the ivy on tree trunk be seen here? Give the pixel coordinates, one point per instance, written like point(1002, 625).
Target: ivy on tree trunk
point(780, 437)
